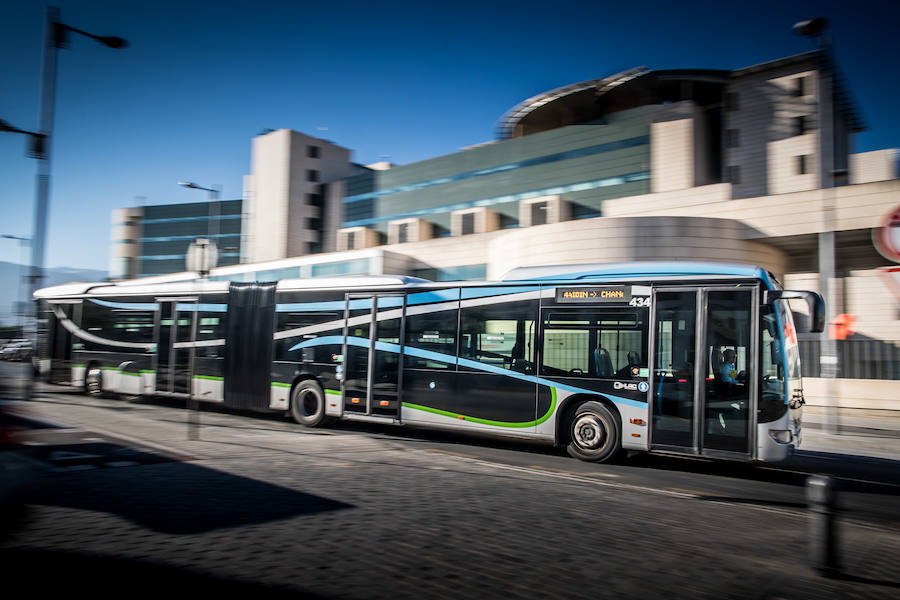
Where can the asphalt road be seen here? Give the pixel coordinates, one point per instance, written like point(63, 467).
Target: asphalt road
point(362, 511)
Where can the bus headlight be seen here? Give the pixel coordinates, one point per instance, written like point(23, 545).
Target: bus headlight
point(781, 436)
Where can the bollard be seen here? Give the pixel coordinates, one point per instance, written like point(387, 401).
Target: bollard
point(821, 497)
point(193, 419)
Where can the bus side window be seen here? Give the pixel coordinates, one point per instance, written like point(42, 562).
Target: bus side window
point(500, 335)
point(434, 334)
point(591, 343)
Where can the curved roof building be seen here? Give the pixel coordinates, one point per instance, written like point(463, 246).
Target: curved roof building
point(594, 99)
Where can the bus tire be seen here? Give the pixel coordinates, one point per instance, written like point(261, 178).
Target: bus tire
point(308, 404)
point(93, 380)
point(593, 433)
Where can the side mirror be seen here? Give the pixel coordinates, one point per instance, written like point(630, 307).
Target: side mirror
point(813, 301)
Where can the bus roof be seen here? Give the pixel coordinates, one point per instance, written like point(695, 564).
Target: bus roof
point(595, 272)
point(196, 286)
point(629, 270)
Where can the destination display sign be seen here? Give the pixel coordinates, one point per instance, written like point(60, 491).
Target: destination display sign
point(616, 294)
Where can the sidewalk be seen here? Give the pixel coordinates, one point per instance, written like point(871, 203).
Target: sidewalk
point(859, 432)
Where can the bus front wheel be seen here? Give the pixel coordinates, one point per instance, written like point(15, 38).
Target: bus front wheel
point(593, 433)
point(308, 404)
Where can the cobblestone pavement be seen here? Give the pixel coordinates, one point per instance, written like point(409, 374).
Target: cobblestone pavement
point(260, 506)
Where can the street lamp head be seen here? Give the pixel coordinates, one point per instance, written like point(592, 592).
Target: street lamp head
point(188, 184)
point(811, 27)
point(4, 126)
point(112, 41)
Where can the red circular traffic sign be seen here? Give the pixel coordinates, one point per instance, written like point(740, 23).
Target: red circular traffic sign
point(887, 237)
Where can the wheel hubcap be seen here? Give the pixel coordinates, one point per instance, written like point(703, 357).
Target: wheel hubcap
point(589, 432)
point(93, 382)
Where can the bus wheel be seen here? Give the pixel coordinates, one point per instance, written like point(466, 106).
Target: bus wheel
point(593, 433)
point(308, 404)
point(93, 381)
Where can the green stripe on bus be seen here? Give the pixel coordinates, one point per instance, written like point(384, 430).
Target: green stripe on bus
point(454, 415)
point(333, 392)
point(148, 371)
point(210, 377)
point(109, 368)
point(79, 366)
point(279, 384)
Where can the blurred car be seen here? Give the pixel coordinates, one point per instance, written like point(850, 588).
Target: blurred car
point(16, 350)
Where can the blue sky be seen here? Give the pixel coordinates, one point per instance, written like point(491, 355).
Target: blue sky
point(392, 81)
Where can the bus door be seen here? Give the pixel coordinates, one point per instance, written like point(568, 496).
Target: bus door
point(703, 369)
point(59, 342)
point(373, 354)
point(176, 332)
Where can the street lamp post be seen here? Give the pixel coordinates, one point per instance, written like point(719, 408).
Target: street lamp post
point(828, 359)
point(212, 227)
point(206, 255)
point(57, 36)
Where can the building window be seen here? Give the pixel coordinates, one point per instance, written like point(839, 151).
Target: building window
point(468, 223)
point(312, 151)
point(800, 125)
point(731, 101)
point(732, 138)
point(733, 174)
point(312, 175)
point(402, 233)
point(800, 86)
point(803, 164)
point(351, 235)
point(539, 212)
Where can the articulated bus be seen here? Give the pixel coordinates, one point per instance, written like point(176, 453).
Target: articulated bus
point(691, 358)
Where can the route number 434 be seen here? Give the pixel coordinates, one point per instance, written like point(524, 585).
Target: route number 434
point(640, 301)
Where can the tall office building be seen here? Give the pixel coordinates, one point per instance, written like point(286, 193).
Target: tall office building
point(153, 240)
point(293, 194)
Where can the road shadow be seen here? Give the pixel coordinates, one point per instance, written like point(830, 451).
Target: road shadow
point(179, 498)
point(854, 473)
point(93, 576)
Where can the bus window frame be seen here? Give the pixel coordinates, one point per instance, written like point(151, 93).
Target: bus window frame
point(641, 325)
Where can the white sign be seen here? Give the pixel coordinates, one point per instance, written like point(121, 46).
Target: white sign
point(202, 256)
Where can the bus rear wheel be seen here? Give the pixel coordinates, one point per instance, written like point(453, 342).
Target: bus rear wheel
point(308, 404)
point(593, 433)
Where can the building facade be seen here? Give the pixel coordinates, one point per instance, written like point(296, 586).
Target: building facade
point(153, 240)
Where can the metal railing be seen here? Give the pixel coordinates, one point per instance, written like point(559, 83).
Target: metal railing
point(863, 358)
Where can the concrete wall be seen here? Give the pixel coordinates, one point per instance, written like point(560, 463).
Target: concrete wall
point(872, 394)
point(878, 165)
point(672, 155)
point(764, 120)
point(124, 233)
point(630, 239)
point(268, 203)
point(860, 206)
point(279, 196)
